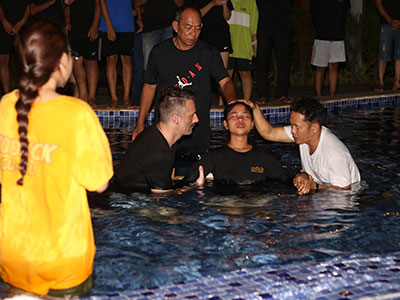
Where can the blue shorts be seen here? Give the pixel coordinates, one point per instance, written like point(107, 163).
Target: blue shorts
point(388, 36)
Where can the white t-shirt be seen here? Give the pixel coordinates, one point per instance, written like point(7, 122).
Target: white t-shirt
point(331, 163)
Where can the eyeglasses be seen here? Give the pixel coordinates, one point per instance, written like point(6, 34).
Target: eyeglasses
point(74, 54)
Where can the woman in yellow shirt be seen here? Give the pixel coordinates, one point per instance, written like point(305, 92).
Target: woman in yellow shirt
point(52, 149)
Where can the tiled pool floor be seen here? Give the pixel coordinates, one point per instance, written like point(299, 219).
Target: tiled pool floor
point(357, 276)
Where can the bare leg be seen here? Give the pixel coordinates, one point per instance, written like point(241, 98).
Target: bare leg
point(5, 73)
point(92, 72)
point(225, 58)
point(247, 84)
point(126, 77)
point(111, 67)
point(381, 72)
point(230, 73)
point(333, 78)
point(396, 84)
point(319, 80)
point(80, 77)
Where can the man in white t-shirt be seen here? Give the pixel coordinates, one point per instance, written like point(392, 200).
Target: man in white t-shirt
point(326, 161)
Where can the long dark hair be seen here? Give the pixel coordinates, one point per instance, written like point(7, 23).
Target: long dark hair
point(39, 46)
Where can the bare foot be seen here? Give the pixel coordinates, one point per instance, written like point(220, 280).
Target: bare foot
point(92, 103)
point(114, 103)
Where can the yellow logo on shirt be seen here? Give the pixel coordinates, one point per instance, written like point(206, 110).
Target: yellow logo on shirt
point(257, 169)
point(38, 152)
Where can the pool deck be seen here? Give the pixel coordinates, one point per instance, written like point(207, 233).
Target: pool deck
point(345, 91)
point(275, 111)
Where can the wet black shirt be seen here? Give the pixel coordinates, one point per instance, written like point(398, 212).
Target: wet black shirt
point(243, 168)
point(147, 163)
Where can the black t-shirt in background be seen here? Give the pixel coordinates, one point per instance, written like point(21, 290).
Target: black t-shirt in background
point(392, 8)
point(14, 10)
point(82, 13)
point(52, 13)
point(274, 15)
point(158, 14)
point(195, 67)
point(329, 18)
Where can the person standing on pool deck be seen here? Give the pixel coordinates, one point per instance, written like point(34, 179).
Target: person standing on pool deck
point(52, 149)
point(389, 11)
point(329, 19)
point(149, 161)
point(13, 15)
point(326, 161)
point(184, 60)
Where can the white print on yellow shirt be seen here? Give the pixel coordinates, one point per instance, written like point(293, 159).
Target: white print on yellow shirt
point(10, 149)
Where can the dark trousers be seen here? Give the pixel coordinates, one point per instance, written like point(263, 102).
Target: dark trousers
point(281, 43)
point(137, 70)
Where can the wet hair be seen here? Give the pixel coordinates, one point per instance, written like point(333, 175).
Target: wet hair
point(231, 106)
point(173, 101)
point(312, 109)
point(181, 9)
point(39, 46)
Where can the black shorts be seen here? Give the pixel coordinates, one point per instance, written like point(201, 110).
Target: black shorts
point(123, 44)
point(80, 43)
point(6, 42)
point(240, 64)
point(218, 38)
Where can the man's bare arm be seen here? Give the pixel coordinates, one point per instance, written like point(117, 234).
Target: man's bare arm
point(264, 128)
point(110, 28)
point(37, 8)
point(146, 100)
point(304, 183)
point(228, 89)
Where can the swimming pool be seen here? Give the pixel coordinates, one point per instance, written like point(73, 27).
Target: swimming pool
point(268, 244)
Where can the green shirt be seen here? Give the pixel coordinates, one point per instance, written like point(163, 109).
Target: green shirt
point(242, 25)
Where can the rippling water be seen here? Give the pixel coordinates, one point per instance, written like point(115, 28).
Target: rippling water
point(146, 242)
point(143, 241)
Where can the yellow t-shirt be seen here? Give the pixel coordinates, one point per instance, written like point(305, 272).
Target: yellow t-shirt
point(46, 235)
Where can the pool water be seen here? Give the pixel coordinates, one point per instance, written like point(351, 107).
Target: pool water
point(145, 241)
